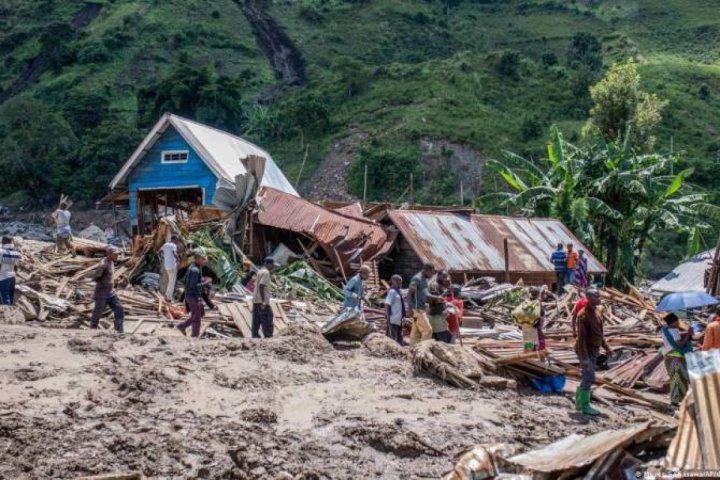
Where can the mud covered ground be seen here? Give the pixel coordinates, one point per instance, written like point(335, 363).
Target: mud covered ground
point(77, 403)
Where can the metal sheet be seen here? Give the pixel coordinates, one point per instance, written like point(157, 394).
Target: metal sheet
point(348, 238)
point(689, 275)
point(474, 243)
point(576, 451)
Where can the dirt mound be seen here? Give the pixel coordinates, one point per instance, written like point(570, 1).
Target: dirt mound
point(259, 415)
point(381, 346)
point(97, 344)
point(391, 438)
point(11, 315)
point(301, 342)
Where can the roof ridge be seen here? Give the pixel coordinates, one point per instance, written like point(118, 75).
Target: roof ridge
point(172, 116)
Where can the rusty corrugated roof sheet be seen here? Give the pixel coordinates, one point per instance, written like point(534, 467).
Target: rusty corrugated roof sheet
point(352, 238)
point(474, 243)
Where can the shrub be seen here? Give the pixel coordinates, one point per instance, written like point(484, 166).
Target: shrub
point(509, 64)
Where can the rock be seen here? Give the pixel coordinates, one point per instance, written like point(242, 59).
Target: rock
point(258, 472)
point(93, 232)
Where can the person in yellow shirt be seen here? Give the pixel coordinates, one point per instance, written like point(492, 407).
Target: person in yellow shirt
point(572, 261)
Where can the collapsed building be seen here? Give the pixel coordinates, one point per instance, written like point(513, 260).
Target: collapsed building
point(183, 168)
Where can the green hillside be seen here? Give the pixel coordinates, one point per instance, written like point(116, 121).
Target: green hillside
point(296, 76)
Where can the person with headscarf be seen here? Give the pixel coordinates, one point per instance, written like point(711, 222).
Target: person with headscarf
point(676, 344)
point(581, 276)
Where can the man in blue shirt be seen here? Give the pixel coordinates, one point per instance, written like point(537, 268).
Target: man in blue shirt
point(355, 289)
point(559, 261)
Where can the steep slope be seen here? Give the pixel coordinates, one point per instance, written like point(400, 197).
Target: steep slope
point(398, 71)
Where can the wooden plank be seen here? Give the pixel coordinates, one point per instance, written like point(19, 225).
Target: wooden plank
point(234, 311)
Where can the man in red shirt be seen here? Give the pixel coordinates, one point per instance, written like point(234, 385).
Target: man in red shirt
point(579, 307)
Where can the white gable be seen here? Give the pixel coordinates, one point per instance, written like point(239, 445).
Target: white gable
point(221, 151)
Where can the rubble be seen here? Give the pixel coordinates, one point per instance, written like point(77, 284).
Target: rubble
point(314, 335)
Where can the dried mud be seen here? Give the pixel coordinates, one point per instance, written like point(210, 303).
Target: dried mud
point(78, 403)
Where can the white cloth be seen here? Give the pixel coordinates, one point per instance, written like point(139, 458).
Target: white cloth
point(262, 278)
point(171, 278)
point(394, 299)
point(62, 220)
point(9, 257)
point(169, 251)
point(667, 346)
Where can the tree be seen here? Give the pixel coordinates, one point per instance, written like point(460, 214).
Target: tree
point(37, 145)
point(585, 49)
point(104, 149)
point(389, 169)
point(610, 196)
point(509, 65)
point(85, 110)
point(198, 93)
point(622, 110)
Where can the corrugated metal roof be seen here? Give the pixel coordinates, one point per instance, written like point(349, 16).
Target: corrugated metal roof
point(352, 238)
point(689, 275)
point(221, 151)
point(474, 243)
point(577, 451)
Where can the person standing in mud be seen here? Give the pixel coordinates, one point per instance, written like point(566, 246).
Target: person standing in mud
point(395, 310)
point(105, 295)
point(262, 315)
point(9, 259)
point(354, 290)
point(193, 295)
point(590, 337)
point(63, 237)
point(418, 296)
point(436, 307)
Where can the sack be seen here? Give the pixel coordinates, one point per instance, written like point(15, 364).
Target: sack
point(527, 313)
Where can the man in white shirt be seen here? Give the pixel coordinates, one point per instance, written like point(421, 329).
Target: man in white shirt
point(63, 238)
point(169, 268)
point(262, 315)
point(395, 309)
point(9, 258)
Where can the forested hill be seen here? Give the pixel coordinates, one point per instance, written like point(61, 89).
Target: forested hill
point(427, 87)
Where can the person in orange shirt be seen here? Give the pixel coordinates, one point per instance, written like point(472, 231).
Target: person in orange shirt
point(712, 333)
point(572, 260)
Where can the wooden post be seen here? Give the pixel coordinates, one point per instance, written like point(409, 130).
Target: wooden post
point(302, 165)
point(412, 190)
point(365, 188)
point(507, 260)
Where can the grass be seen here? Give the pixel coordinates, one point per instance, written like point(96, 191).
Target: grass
point(425, 71)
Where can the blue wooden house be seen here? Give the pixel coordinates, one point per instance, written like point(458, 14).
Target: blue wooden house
point(179, 164)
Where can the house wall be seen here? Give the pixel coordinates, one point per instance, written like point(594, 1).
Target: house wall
point(151, 173)
point(406, 263)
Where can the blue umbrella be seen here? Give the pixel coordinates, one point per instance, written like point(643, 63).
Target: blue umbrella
point(675, 302)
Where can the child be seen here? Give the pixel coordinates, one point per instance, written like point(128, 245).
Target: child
point(395, 309)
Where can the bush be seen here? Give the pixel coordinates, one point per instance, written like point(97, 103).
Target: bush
point(509, 64)
point(93, 53)
point(389, 169)
point(549, 59)
point(585, 49)
point(531, 127)
point(704, 92)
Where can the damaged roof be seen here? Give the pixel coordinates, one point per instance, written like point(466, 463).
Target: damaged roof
point(344, 237)
point(689, 275)
point(474, 243)
point(221, 151)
